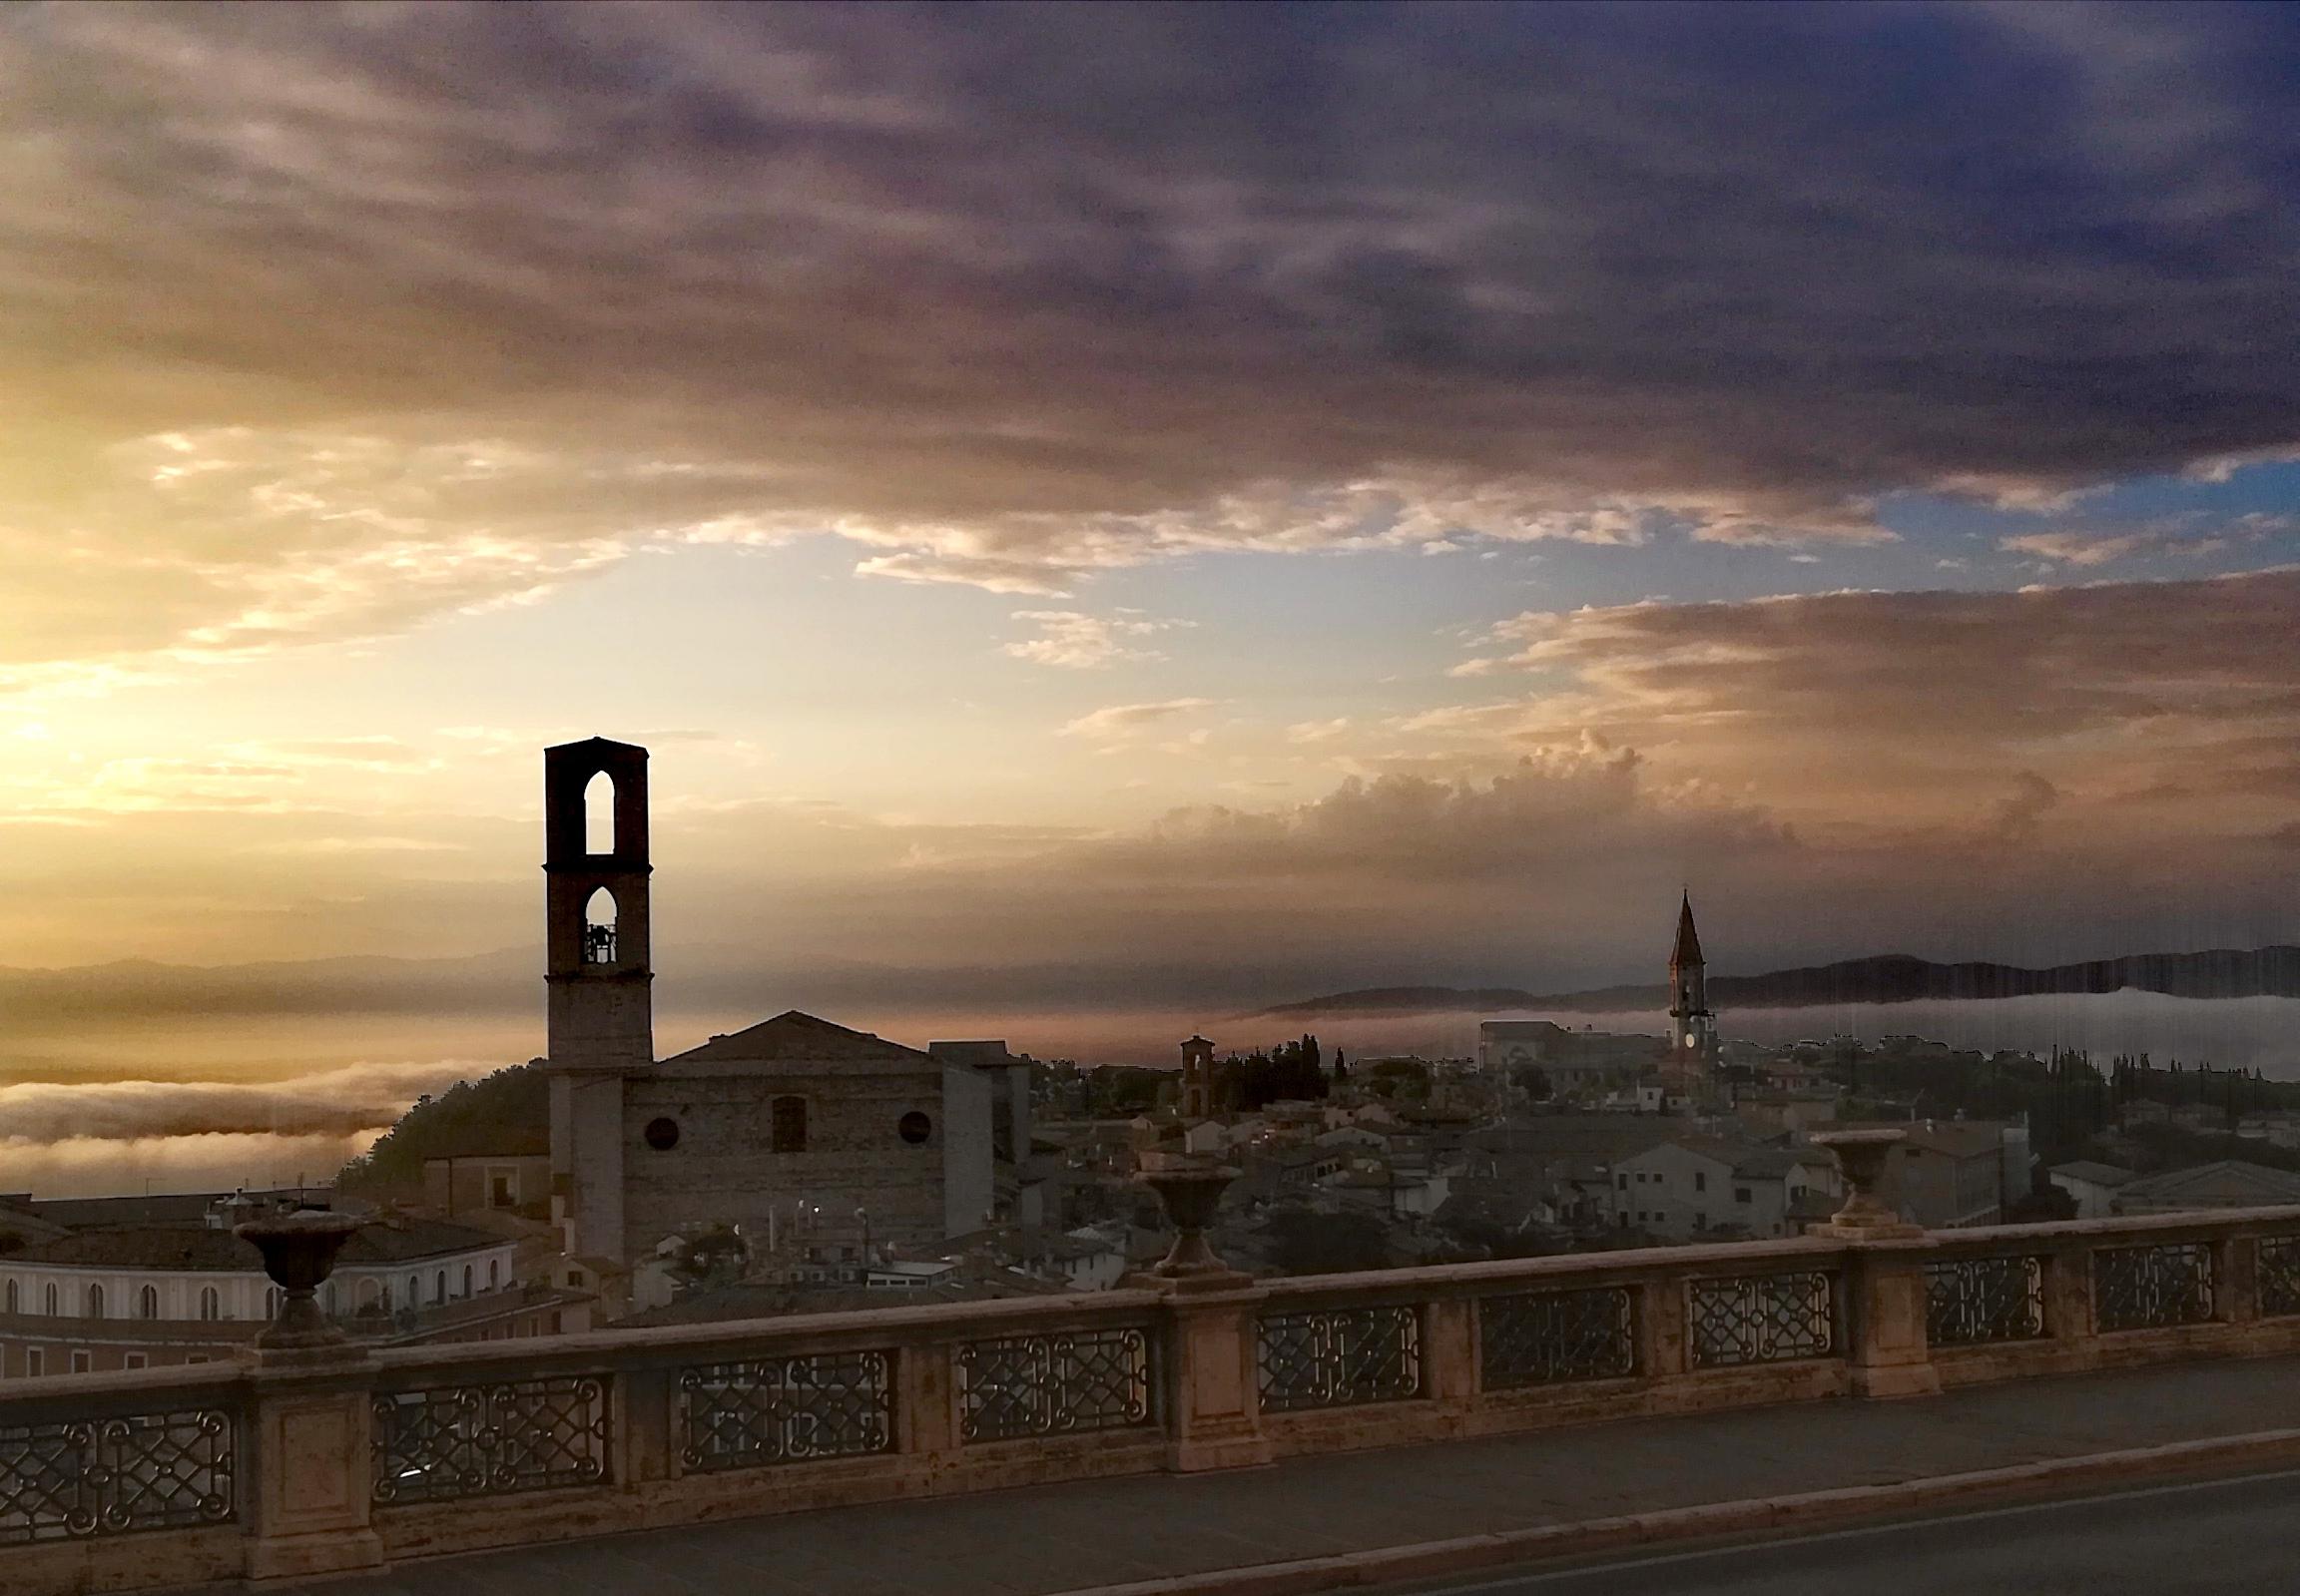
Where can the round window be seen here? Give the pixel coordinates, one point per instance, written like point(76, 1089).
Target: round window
point(914, 1127)
point(661, 1134)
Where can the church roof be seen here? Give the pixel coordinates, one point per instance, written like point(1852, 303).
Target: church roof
point(1688, 948)
point(797, 1036)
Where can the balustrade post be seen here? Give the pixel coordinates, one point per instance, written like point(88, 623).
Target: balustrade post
point(1885, 1340)
point(1211, 1327)
point(1213, 1385)
point(1450, 1366)
point(2236, 1279)
point(2068, 1309)
point(927, 1400)
point(1662, 1348)
point(642, 1406)
point(311, 1474)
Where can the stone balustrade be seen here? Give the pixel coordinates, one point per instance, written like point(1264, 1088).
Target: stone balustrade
point(322, 1458)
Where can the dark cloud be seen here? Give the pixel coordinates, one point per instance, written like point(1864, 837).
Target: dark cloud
point(1015, 292)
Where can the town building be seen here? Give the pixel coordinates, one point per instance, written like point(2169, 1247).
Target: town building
point(146, 1296)
point(2092, 1186)
point(1692, 1187)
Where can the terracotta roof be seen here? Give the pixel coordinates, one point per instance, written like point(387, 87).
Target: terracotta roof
point(162, 1247)
point(2095, 1172)
point(2231, 1182)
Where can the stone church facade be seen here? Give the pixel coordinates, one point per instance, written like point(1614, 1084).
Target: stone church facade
point(792, 1128)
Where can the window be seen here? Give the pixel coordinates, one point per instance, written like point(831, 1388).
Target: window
point(467, 1279)
point(556, 1321)
point(790, 1125)
point(1621, 1181)
point(35, 1360)
point(327, 1297)
point(502, 1188)
point(48, 1301)
point(575, 1277)
point(599, 815)
point(211, 1305)
point(274, 1300)
point(1740, 1194)
point(94, 1301)
point(83, 1361)
point(914, 1127)
point(439, 1287)
point(600, 917)
point(661, 1134)
point(136, 1360)
point(147, 1303)
point(196, 1357)
point(494, 1273)
point(1701, 1221)
point(415, 1292)
point(11, 1293)
point(1700, 1180)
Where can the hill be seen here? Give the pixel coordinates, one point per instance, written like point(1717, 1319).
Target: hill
point(1885, 979)
point(506, 1112)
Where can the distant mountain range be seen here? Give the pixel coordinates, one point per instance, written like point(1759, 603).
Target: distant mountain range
point(1885, 979)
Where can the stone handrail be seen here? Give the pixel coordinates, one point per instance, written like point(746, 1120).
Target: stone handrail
point(312, 1460)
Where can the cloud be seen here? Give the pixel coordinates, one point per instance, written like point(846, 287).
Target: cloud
point(1116, 721)
point(2190, 535)
point(1885, 709)
point(345, 320)
point(1074, 641)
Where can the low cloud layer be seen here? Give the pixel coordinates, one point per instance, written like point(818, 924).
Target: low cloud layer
point(342, 320)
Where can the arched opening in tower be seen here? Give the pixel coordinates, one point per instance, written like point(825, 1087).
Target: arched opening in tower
point(599, 815)
point(599, 928)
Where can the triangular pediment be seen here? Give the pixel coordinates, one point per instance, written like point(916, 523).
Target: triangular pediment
point(797, 1036)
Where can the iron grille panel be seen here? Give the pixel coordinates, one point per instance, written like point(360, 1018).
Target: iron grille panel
point(1340, 1356)
point(489, 1440)
point(1540, 1338)
point(1761, 1319)
point(1969, 1301)
point(116, 1476)
point(2279, 1276)
point(2150, 1288)
point(786, 1409)
point(1023, 1385)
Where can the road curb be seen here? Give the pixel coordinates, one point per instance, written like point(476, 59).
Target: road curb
point(1809, 1509)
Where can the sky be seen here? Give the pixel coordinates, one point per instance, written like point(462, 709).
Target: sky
point(1095, 505)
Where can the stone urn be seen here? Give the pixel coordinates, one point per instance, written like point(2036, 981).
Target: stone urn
point(299, 1253)
point(1863, 1156)
point(1191, 1191)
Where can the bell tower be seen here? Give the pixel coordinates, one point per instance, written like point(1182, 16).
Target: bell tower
point(598, 976)
point(595, 873)
point(1692, 1029)
point(1197, 1079)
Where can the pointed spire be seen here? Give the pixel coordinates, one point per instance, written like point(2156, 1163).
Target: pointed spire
point(1688, 948)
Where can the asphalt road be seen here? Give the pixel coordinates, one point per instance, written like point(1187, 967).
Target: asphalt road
point(2189, 1540)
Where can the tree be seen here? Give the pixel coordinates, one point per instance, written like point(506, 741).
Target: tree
point(1532, 1080)
point(714, 1256)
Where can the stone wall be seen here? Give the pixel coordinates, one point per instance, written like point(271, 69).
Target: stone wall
point(723, 1167)
point(348, 1462)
